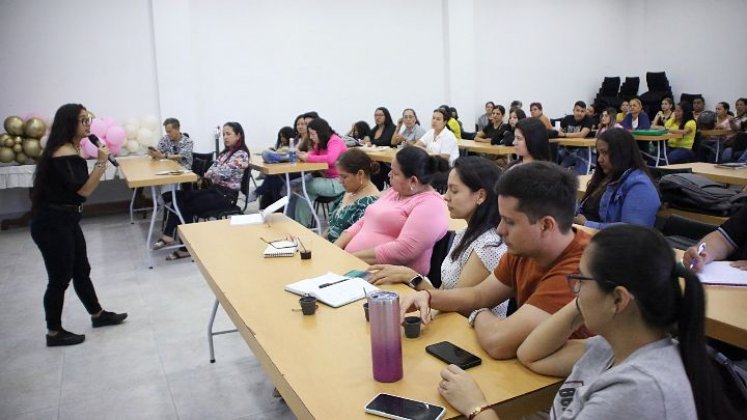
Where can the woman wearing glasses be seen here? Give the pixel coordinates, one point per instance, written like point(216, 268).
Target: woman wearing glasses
point(61, 185)
point(628, 292)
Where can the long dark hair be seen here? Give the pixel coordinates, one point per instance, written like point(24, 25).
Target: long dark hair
point(387, 117)
point(428, 169)
point(64, 129)
point(623, 155)
point(362, 129)
point(323, 131)
point(535, 137)
point(417, 121)
point(641, 260)
point(241, 145)
point(286, 133)
point(478, 173)
point(687, 113)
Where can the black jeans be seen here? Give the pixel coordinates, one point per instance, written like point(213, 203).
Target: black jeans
point(58, 235)
point(192, 203)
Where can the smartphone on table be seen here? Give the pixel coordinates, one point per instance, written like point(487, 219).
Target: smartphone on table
point(365, 275)
point(400, 408)
point(453, 355)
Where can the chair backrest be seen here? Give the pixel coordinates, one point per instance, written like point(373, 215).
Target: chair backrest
point(610, 86)
point(201, 162)
point(440, 251)
point(657, 81)
point(690, 97)
point(629, 88)
point(687, 228)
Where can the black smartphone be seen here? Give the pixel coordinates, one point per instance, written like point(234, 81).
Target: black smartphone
point(454, 355)
point(394, 407)
point(365, 275)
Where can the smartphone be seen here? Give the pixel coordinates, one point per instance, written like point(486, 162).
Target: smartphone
point(394, 407)
point(151, 148)
point(454, 355)
point(365, 275)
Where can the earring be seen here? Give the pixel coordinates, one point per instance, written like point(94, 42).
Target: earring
point(411, 189)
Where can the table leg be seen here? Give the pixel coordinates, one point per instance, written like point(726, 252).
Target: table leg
point(588, 162)
point(318, 227)
point(666, 158)
point(288, 191)
point(149, 238)
point(132, 206)
point(658, 152)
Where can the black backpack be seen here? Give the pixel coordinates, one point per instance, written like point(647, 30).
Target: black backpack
point(699, 194)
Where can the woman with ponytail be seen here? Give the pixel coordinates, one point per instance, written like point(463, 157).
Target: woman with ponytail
point(628, 292)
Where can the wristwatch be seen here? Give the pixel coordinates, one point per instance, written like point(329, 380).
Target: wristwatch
point(473, 316)
point(415, 282)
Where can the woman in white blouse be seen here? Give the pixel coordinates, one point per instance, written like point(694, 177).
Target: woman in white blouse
point(477, 249)
point(439, 139)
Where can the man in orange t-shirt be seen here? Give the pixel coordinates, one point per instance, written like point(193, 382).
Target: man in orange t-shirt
point(537, 202)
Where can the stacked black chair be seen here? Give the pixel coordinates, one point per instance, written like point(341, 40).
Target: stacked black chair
point(607, 93)
point(629, 89)
point(690, 97)
point(658, 89)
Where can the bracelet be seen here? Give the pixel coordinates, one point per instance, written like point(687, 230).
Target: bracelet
point(479, 409)
point(473, 316)
point(100, 165)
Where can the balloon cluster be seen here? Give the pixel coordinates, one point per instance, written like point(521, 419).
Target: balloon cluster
point(140, 133)
point(22, 141)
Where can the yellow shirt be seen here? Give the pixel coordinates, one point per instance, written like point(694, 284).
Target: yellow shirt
point(685, 142)
point(620, 117)
point(454, 125)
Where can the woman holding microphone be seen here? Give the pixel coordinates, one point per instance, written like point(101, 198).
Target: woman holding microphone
point(61, 185)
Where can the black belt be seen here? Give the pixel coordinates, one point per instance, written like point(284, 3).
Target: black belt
point(72, 208)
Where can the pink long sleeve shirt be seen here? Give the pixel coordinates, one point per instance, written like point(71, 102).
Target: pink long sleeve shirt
point(335, 147)
point(401, 230)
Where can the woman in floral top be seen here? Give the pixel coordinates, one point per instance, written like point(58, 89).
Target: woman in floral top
point(224, 178)
point(355, 169)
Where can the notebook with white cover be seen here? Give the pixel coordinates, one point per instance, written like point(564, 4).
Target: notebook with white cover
point(722, 273)
point(280, 249)
point(335, 295)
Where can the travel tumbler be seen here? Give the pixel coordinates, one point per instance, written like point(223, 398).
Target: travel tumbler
point(386, 342)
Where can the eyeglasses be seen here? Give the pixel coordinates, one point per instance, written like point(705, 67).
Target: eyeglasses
point(85, 121)
point(575, 279)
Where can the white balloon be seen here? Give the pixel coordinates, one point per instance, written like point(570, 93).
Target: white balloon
point(151, 122)
point(132, 146)
point(145, 137)
point(123, 152)
point(43, 141)
point(133, 122)
point(131, 131)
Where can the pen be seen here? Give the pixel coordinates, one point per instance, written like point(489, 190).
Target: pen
point(322, 286)
point(701, 248)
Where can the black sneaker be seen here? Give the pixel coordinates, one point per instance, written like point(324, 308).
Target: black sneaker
point(108, 318)
point(64, 338)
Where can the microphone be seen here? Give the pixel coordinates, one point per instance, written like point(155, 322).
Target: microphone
point(96, 142)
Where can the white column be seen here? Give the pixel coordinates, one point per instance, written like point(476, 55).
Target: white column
point(459, 56)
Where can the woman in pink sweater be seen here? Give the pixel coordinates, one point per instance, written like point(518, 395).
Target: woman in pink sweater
point(402, 226)
point(326, 147)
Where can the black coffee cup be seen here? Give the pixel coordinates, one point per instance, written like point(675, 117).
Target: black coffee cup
point(308, 305)
point(365, 310)
point(412, 326)
point(305, 255)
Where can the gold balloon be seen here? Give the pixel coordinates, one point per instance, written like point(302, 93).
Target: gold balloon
point(3, 137)
point(35, 128)
point(21, 158)
point(7, 155)
point(14, 125)
point(6, 140)
point(32, 148)
point(17, 148)
point(17, 140)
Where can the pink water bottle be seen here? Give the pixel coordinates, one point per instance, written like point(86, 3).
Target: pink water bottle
point(386, 341)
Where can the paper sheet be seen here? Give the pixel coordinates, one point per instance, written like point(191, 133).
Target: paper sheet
point(720, 272)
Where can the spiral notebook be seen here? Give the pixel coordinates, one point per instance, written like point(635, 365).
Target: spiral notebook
point(333, 289)
point(280, 249)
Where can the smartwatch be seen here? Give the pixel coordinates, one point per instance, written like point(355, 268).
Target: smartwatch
point(415, 282)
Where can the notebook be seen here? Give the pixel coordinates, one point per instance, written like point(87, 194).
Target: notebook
point(281, 249)
point(335, 295)
point(732, 165)
point(262, 216)
point(721, 273)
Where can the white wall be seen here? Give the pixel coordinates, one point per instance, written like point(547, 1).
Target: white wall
point(262, 63)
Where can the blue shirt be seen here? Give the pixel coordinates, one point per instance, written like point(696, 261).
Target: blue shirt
point(631, 199)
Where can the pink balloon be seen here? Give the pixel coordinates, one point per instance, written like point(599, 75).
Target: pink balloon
point(115, 148)
point(115, 136)
point(89, 149)
point(98, 127)
point(31, 115)
point(109, 121)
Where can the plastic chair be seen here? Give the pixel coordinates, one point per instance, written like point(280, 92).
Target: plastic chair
point(324, 202)
point(683, 233)
point(440, 251)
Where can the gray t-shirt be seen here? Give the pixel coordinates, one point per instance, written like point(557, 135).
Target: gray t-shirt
point(650, 384)
point(413, 134)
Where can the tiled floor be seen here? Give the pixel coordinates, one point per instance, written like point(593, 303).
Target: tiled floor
point(154, 366)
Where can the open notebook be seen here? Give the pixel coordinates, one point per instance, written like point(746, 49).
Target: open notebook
point(335, 295)
point(280, 249)
point(721, 273)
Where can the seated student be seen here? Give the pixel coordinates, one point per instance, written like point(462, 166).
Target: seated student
point(355, 168)
point(680, 150)
point(728, 242)
point(326, 147)
point(698, 107)
point(724, 121)
point(738, 150)
point(637, 119)
point(402, 226)
point(576, 125)
point(455, 115)
point(476, 249)
point(535, 109)
point(591, 112)
point(667, 111)
point(383, 128)
point(359, 134)
point(283, 140)
point(515, 104)
point(224, 175)
point(175, 145)
point(439, 139)
point(628, 291)
point(494, 132)
point(607, 121)
point(272, 186)
point(484, 119)
point(412, 131)
point(530, 139)
point(304, 145)
point(451, 122)
point(536, 203)
point(513, 118)
point(621, 189)
point(624, 110)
